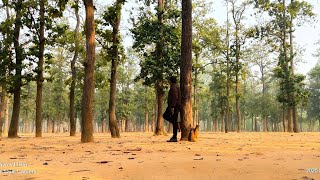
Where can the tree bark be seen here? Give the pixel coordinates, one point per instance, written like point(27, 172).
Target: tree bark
point(237, 64)
point(228, 75)
point(88, 87)
point(115, 133)
point(2, 108)
point(159, 124)
point(222, 122)
point(292, 96)
point(284, 119)
point(74, 72)
point(195, 98)
point(40, 71)
point(13, 130)
point(216, 120)
point(146, 126)
point(186, 69)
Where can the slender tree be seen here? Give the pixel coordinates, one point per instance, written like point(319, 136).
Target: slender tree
point(74, 71)
point(88, 87)
point(113, 82)
point(40, 69)
point(13, 130)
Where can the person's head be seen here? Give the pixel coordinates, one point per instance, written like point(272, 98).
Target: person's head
point(172, 80)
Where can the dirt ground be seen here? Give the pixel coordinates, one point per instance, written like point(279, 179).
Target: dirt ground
point(142, 156)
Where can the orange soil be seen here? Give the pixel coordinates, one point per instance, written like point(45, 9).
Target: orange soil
point(142, 156)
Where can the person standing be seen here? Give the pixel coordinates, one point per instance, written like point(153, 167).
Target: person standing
point(174, 106)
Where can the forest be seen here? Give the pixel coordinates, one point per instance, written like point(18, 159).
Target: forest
point(90, 66)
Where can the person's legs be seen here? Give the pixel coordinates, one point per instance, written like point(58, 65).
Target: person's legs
point(174, 120)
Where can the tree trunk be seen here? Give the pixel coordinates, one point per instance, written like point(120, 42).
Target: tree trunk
point(25, 122)
point(88, 87)
point(146, 126)
point(216, 120)
point(222, 122)
point(74, 72)
point(53, 124)
point(48, 124)
point(13, 130)
point(256, 124)
point(154, 117)
point(6, 116)
point(159, 125)
point(301, 119)
point(284, 119)
point(40, 71)
point(294, 107)
point(127, 124)
point(2, 108)
point(195, 98)
point(264, 120)
point(115, 133)
point(186, 69)
point(253, 128)
point(244, 121)
point(228, 76)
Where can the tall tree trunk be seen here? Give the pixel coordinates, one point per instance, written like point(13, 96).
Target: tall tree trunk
point(284, 119)
point(228, 76)
point(88, 87)
point(292, 96)
point(2, 108)
point(195, 98)
point(115, 133)
point(256, 124)
point(244, 121)
point(159, 129)
point(253, 128)
point(74, 72)
point(222, 121)
point(237, 64)
point(287, 71)
point(25, 122)
point(186, 69)
point(53, 124)
point(301, 119)
point(146, 126)
point(154, 117)
point(159, 96)
point(13, 130)
point(48, 124)
point(40, 71)
point(216, 120)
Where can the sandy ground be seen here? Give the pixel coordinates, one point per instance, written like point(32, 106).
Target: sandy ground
point(142, 156)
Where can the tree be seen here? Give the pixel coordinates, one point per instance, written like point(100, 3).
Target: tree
point(313, 109)
point(157, 41)
point(114, 64)
point(74, 71)
point(19, 53)
point(88, 86)
point(186, 69)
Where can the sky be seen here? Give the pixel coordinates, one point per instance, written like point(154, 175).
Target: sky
point(306, 36)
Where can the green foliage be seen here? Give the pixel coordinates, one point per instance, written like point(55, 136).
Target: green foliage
point(146, 33)
point(313, 108)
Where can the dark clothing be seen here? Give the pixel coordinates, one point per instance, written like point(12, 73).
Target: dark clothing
point(174, 101)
